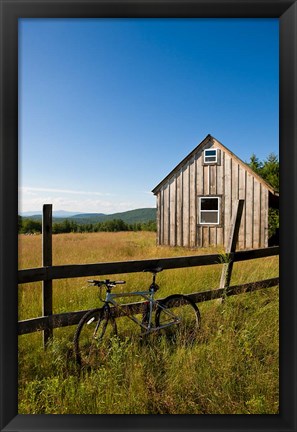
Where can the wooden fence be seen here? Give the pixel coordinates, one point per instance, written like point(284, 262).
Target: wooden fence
point(48, 272)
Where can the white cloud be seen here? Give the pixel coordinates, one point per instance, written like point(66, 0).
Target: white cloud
point(33, 190)
point(33, 198)
point(84, 205)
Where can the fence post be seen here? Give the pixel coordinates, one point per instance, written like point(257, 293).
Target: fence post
point(47, 286)
point(231, 247)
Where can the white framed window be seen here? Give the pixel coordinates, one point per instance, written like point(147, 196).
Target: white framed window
point(210, 156)
point(209, 210)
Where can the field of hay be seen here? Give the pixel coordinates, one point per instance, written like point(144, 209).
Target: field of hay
point(232, 368)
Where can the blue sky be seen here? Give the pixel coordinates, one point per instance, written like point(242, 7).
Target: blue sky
point(108, 107)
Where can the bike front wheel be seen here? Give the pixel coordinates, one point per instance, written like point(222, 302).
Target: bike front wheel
point(93, 337)
point(178, 318)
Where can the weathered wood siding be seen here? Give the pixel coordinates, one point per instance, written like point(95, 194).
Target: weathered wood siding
point(178, 203)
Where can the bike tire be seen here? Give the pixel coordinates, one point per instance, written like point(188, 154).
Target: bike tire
point(184, 330)
point(93, 336)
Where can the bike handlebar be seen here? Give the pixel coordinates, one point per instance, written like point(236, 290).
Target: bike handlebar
point(106, 282)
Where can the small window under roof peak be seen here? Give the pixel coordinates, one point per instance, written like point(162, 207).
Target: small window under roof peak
point(211, 156)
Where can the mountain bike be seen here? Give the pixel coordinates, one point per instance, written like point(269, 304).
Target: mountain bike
point(176, 316)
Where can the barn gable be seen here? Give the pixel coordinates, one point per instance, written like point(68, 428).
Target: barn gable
point(195, 200)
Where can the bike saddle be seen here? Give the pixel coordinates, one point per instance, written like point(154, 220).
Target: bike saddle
point(153, 270)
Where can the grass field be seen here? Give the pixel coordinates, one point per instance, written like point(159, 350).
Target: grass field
point(232, 368)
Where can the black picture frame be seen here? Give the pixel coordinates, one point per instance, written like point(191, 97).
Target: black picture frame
point(11, 11)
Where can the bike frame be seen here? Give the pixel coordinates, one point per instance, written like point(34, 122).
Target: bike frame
point(149, 296)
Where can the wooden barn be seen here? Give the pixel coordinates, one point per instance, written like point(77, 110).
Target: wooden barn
point(196, 199)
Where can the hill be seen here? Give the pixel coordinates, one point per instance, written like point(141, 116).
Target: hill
point(130, 216)
point(56, 213)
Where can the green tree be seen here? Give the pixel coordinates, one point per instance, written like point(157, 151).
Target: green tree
point(30, 226)
point(20, 223)
point(116, 225)
point(273, 221)
point(269, 171)
point(255, 164)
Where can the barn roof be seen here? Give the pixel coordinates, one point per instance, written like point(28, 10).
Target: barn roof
point(205, 141)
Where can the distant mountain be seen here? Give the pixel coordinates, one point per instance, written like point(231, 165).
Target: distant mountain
point(87, 215)
point(57, 213)
point(130, 217)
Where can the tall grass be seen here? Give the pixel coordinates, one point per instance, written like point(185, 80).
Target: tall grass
point(232, 368)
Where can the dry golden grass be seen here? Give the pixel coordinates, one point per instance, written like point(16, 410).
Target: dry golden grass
point(73, 294)
point(232, 369)
point(99, 247)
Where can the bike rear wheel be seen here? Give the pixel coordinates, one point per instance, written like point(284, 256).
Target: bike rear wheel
point(178, 318)
point(93, 337)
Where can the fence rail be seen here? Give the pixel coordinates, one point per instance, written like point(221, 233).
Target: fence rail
point(82, 270)
point(47, 273)
point(72, 318)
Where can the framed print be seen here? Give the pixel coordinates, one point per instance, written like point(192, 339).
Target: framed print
point(57, 98)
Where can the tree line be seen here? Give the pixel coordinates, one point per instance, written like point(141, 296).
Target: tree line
point(269, 171)
point(30, 226)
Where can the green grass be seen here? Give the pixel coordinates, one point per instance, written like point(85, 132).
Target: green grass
point(232, 368)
